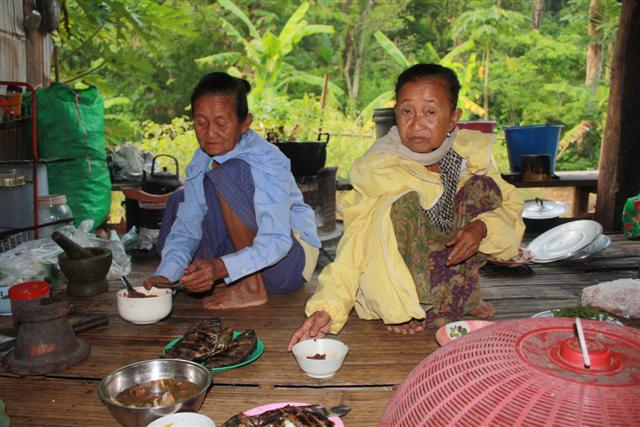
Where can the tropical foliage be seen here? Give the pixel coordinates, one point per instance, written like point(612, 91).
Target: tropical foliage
point(325, 64)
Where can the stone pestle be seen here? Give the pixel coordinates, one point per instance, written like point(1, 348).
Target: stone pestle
point(71, 248)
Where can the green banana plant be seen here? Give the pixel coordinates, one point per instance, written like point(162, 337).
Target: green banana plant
point(263, 57)
point(465, 72)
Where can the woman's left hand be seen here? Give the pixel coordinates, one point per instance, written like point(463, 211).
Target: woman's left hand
point(466, 242)
point(199, 275)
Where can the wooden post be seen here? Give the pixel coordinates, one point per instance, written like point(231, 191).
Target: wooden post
point(620, 152)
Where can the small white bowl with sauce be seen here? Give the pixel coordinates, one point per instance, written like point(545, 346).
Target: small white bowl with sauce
point(320, 357)
point(143, 311)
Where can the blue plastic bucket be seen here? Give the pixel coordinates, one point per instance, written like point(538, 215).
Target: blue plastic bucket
point(538, 139)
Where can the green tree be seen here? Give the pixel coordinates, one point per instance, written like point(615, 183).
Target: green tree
point(263, 60)
point(485, 27)
point(465, 71)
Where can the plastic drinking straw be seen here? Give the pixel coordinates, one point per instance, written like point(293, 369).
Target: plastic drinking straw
point(583, 344)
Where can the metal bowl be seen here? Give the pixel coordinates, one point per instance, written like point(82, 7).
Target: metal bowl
point(147, 370)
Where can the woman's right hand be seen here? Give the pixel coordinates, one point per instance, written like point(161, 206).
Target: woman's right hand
point(154, 280)
point(315, 326)
point(200, 275)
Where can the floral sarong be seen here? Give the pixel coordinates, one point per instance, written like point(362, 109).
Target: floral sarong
point(447, 292)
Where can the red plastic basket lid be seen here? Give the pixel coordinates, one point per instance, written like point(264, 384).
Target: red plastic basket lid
point(526, 372)
point(29, 290)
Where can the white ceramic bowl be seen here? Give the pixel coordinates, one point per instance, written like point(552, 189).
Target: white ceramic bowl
point(143, 311)
point(184, 419)
point(334, 351)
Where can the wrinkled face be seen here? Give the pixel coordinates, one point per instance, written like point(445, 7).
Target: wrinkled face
point(216, 124)
point(424, 114)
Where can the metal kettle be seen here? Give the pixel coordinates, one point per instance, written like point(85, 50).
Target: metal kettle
point(162, 182)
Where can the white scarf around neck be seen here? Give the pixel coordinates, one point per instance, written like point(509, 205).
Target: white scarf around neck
point(391, 143)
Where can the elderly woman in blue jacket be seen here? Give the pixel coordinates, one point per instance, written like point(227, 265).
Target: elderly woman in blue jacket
point(243, 220)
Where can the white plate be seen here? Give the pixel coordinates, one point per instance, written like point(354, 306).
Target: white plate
point(604, 317)
point(543, 209)
point(183, 419)
point(564, 240)
point(599, 245)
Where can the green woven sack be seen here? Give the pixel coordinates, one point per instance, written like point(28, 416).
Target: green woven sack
point(631, 218)
point(71, 127)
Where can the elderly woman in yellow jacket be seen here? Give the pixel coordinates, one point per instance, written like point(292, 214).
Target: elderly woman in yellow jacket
point(428, 206)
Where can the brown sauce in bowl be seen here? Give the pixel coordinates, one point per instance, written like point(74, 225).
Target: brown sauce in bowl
point(160, 392)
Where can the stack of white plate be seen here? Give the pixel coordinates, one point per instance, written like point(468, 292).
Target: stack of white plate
point(576, 240)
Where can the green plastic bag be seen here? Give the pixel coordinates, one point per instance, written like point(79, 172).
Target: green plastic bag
point(4, 418)
point(631, 218)
point(71, 131)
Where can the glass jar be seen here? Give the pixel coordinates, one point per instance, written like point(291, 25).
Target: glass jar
point(52, 208)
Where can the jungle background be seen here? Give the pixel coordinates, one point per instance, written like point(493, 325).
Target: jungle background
point(519, 61)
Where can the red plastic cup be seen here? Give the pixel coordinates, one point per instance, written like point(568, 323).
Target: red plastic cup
point(27, 291)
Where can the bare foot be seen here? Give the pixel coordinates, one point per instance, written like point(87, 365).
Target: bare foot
point(484, 310)
point(240, 295)
point(408, 328)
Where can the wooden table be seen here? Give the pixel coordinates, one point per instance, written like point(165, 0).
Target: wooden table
point(377, 362)
point(582, 182)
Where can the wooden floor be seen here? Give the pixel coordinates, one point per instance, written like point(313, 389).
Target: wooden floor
point(377, 362)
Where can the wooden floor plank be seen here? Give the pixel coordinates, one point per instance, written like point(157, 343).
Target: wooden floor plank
point(66, 403)
point(377, 362)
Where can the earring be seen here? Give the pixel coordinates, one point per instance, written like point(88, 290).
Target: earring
point(448, 133)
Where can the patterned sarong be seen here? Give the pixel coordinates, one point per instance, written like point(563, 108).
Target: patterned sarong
point(233, 180)
point(447, 292)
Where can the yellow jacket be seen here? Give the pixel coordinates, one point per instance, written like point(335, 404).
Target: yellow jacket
point(369, 272)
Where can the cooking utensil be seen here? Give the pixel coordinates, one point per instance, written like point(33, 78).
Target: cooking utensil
point(307, 158)
point(583, 344)
point(543, 209)
point(45, 342)
point(132, 293)
point(162, 182)
point(80, 326)
point(169, 285)
point(522, 373)
point(536, 167)
point(148, 370)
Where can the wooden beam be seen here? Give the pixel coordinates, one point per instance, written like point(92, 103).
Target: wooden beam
point(620, 153)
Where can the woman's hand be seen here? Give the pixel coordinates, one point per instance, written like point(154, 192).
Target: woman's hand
point(199, 275)
point(154, 280)
point(315, 326)
point(466, 242)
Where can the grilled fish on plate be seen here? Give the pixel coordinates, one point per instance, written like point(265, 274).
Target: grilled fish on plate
point(290, 416)
point(201, 342)
point(238, 350)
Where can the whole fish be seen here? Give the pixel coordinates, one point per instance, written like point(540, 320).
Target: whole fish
point(201, 342)
point(238, 351)
point(290, 416)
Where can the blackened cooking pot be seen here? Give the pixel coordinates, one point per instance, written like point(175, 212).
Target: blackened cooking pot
point(306, 157)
